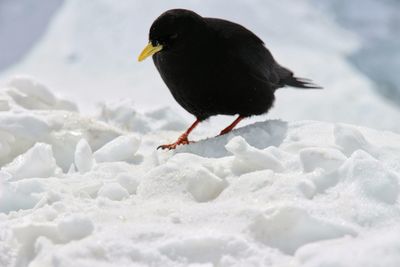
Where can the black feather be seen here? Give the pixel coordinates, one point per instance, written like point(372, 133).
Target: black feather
point(300, 83)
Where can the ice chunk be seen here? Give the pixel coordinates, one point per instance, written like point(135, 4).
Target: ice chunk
point(124, 115)
point(184, 177)
point(328, 159)
point(128, 181)
point(27, 234)
point(308, 188)
point(122, 148)
point(260, 135)
point(113, 191)
point(24, 194)
point(75, 226)
point(25, 125)
point(321, 180)
point(83, 156)
point(32, 92)
point(204, 185)
point(350, 139)
point(248, 158)
point(38, 161)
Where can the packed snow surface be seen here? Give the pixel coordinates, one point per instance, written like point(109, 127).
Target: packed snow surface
point(82, 191)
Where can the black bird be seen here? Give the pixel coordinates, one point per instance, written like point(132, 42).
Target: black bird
point(214, 66)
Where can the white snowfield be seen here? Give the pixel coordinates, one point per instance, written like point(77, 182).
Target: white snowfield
point(80, 191)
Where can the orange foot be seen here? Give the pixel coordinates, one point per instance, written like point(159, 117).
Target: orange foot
point(182, 140)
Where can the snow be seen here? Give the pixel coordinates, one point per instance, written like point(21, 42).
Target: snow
point(83, 158)
point(309, 186)
point(129, 182)
point(328, 159)
point(38, 161)
point(73, 227)
point(81, 191)
point(122, 148)
point(377, 26)
point(276, 227)
point(113, 191)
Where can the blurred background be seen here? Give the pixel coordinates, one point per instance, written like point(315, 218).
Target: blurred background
point(87, 52)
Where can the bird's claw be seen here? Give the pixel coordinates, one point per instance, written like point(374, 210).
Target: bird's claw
point(183, 140)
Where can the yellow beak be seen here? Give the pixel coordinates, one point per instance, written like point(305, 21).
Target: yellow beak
point(149, 50)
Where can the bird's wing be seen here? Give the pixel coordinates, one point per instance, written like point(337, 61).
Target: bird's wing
point(244, 48)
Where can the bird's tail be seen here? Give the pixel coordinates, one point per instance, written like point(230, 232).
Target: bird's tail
point(301, 83)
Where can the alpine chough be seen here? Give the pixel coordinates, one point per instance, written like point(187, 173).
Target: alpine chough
point(214, 66)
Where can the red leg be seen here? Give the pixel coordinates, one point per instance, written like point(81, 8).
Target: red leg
point(183, 139)
point(232, 125)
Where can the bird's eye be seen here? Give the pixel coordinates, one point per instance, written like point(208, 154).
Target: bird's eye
point(155, 42)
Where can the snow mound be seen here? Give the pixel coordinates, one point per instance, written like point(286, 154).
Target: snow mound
point(289, 228)
point(28, 120)
point(31, 94)
point(376, 245)
point(123, 114)
point(274, 193)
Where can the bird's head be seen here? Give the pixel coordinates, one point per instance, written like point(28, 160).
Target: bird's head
point(173, 29)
